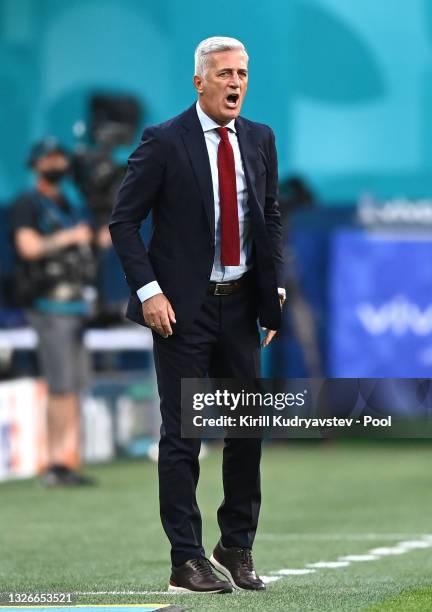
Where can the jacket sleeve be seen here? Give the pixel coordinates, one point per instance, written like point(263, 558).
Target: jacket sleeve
point(271, 211)
point(138, 195)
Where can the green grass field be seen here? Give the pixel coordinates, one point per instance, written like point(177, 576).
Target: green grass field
point(320, 502)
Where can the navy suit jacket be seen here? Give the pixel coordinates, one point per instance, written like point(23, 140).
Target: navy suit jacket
point(169, 174)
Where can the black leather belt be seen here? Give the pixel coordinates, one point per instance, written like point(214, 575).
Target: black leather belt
point(227, 288)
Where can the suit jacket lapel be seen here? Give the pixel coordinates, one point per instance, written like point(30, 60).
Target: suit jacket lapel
point(193, 138)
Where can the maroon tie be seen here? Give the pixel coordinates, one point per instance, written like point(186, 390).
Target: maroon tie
point(230, 236)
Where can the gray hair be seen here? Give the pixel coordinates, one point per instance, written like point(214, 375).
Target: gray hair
point(214, 44)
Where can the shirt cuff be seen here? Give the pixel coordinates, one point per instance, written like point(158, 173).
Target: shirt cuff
point(282, 292)
point(147, 291)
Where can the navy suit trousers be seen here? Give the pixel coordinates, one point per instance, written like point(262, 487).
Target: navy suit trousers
point(222, 342)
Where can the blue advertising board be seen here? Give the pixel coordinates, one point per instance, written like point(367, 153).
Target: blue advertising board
point(380, 305)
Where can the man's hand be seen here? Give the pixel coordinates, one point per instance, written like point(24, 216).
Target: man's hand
point(271, 333)
point(81, 234)
point(158, 314)
point(78, 234)
point(268, 337)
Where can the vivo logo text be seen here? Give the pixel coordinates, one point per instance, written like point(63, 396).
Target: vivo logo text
point(399, 317)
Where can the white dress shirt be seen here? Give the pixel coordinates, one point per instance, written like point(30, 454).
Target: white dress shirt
point(221, 273)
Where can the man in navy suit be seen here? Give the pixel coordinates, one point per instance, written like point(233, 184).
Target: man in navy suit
point(213, 267)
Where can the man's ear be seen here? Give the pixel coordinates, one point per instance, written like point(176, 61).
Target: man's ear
point(198, 84)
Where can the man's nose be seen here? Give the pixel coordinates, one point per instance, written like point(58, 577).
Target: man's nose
point(235, 80)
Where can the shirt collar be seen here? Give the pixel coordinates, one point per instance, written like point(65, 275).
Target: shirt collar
point(208, 124)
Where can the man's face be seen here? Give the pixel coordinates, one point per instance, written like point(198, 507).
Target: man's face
point(223, 87)
point(52, 162)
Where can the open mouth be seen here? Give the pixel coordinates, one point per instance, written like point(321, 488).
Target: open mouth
point(232, 100)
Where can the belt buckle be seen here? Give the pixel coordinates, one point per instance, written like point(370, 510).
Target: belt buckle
point(222, 289)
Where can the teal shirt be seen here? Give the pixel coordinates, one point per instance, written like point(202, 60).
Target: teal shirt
point(77, 307)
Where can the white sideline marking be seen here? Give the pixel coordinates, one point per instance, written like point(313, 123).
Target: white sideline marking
point(338, 536)
point(358, 558)
point(268, 579)
point(403, 547)
point(294, 572)
point(412, 544)
point(383, 551)
point(399, 548)
point(126, 593)
point(427, 537)
point(329, 564)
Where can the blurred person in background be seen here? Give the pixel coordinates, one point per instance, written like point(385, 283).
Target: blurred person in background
point(294, 195)
point(213, 267)
point(54, 266)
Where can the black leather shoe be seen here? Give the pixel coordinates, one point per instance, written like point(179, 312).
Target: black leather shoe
point(61, 476)
point(197, 576)
point(236, 564)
